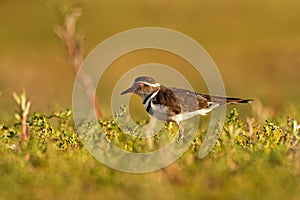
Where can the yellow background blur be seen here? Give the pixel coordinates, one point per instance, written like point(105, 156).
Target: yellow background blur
point(255, 44)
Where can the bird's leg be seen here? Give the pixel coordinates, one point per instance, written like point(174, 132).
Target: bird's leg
point(150, 127)
point(181, 131)
point(150, 132)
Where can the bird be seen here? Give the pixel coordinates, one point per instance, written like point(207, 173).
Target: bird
point(173, 104)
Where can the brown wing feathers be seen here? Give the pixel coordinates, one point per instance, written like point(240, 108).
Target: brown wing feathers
point(180, 100)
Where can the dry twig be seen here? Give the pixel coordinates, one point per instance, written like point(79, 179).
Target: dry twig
point(73, 42)
point(24, 106)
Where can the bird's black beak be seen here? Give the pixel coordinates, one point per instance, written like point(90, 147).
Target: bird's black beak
point(129, 90)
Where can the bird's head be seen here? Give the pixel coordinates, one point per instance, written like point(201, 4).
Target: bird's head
point(142, 86)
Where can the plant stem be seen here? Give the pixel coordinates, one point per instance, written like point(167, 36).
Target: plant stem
point(72, 41)
point(24, 127)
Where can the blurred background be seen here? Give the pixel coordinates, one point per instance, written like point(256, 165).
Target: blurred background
point(255, 44)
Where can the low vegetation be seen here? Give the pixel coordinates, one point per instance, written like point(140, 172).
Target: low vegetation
point(250, 161)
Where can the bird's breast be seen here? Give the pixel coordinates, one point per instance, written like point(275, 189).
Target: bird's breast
point(160, 111)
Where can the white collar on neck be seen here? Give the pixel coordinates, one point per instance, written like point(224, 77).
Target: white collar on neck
point(150, 98)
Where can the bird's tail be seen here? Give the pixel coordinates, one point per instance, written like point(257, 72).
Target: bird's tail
point(234, 100)
point(227, 100)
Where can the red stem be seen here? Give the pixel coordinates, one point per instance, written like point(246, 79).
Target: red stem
point(24, 128)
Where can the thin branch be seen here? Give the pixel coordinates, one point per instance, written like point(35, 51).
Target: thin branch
point(21, 114)
point(73, 44)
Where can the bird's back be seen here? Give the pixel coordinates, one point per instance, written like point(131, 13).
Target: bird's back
point(179, 100)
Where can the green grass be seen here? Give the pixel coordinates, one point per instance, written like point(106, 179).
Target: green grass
point(259, 164)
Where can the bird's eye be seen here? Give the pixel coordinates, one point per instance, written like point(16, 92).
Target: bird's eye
point(139, 84)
